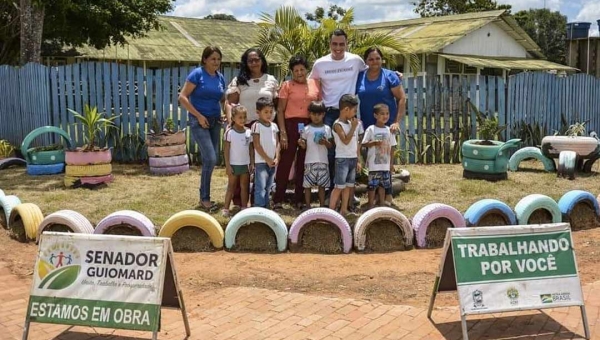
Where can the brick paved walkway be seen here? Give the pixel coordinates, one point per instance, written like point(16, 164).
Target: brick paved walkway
point(249, 313)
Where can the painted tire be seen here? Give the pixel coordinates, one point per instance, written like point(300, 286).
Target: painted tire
point(528, 204)
point(12, 161)
point(568, 201)
point(175, 170)
point(478, 210)
point(260, 215)
point(2, 193)
point(530, 152)
point(166, 151)
point(162, 162)
point(46, 157)
point(176, 138)
point(78, 181)
point(8, 203)
point(323, 214)
point(360, 228)
point(48, 169)
point(431, 212)
point(198, 219)
point(484, 152)
point(553, 146)
point(88, 170)
point(39, 131)
point(32, 218)
point(88, 157)
point(72, 219)
point(567, 163)
point(129, 217)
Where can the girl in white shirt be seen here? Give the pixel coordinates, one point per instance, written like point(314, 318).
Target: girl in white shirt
point(239, 157)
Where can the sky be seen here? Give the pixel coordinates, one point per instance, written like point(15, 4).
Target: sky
point(368, 11)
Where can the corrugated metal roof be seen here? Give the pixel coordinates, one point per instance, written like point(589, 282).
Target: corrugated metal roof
point(430, 35)
point(183, 39)
point(508, 63)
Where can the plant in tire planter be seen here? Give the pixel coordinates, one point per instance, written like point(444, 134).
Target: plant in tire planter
point(486, 158)
point(167, 152)
point(90, 164)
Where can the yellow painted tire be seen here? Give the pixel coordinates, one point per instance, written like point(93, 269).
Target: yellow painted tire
point(32, 217)
point(194, 218)
point(88, 170)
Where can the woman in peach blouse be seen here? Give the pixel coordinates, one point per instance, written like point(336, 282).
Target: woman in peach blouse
point(294, 97)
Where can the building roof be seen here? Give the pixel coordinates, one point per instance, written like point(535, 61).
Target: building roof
point(508, 63)
point(432, 34)
point(183, 39)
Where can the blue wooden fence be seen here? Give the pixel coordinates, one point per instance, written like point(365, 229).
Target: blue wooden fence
point(437, 120)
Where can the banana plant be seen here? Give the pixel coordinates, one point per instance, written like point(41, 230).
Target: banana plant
point(93, 122)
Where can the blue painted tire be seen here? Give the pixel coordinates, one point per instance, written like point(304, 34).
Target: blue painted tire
point(7, 203)
point(568, 201)
point(530, 152)
point(48, 169)
point(528, 204)
point(259, 215)
point(478, 210)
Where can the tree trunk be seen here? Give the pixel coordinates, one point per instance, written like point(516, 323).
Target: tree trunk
point(32, 24)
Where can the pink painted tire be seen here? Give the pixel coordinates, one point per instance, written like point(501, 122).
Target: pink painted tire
point(129, 217)
point(174, 170)
point(323, 214)
point(431, 212)
point(165, 162)
point(88, 157)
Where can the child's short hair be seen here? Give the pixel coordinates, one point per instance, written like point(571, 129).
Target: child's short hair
point(317, 107)
point(348, 100)
point(237, 109)
point(379, 107)
point(263, 102)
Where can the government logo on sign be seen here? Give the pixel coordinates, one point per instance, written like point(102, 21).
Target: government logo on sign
point(478, 299)
point(513, 295)
point(58, 266)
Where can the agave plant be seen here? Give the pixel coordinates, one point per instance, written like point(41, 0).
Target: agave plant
point(93, 122)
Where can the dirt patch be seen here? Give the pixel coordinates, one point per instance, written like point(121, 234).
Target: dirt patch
point(61, 228)
point(383, 235)
point(436, 232)
point(191, 240)
point(123, 230)
point(3, 223)
point(493, 218)
point(17, 230)
point(540, 216)
point(320, 237)
point(255, 237)
point(583, 216)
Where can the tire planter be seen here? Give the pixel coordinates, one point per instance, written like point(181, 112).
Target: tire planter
point(360, 228)
point(48, 169)
point(323, 214)
point(489, 161)
point(530, 152)
point(88, 157)
point(166, 151)
point(197, 219)
point(163, 139)
point(32, 217)
point(88, 170)
point(44, 157)
point(82, 181)
point(431, 212)
point(174, 170)
point(8, 203)
point(259, 215)
point(131, 218)
point(480, 209)
point(162, 162)
point(568, 201)
point(584, 147)
point(528, 204)
point(12, 161)
point(567, 164)
point(69, 218)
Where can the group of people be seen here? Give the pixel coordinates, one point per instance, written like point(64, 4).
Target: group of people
point(310, 121)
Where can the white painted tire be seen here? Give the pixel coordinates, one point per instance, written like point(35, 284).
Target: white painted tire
point(258, 215)
point(430, 213)
point(398, 218)
point(72, 219)
point(567, 164)
point(530, 152)
point(2, 193)
point(528, 204)
point(327, 215)
point(568, 201)
point(8, 203)
point(133, 218)
point(552, 146)
point(167, 162)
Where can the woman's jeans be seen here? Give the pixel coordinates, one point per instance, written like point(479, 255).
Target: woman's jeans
point(263, 181)
point(208, 142)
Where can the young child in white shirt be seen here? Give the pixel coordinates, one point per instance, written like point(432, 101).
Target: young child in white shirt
point(380, 142)
point(265, 135)
point(316, 138)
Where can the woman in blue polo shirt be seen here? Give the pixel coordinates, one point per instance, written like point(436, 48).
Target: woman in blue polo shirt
point(203, 95)
point(380, 85)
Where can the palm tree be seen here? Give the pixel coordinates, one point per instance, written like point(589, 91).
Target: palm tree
point(287, 34)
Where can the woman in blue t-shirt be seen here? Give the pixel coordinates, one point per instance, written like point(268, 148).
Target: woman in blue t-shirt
point(203, 95)
point(379, 85)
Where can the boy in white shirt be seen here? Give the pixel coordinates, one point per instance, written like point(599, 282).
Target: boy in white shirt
point(316, 138)
point(265, 137)
point(380, 142)
point(347, 152)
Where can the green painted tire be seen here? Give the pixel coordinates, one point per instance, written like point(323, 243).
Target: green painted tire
point(484, 166)
point(530, 152)
point(39, 131)
point(46, 157)
point(474, 151)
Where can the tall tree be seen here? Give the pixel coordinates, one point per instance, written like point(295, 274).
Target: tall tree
point(433, 8)
point(32, 23)
point(547, 29)
point(221, 16)
point(9, 32)
point(334, 12)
